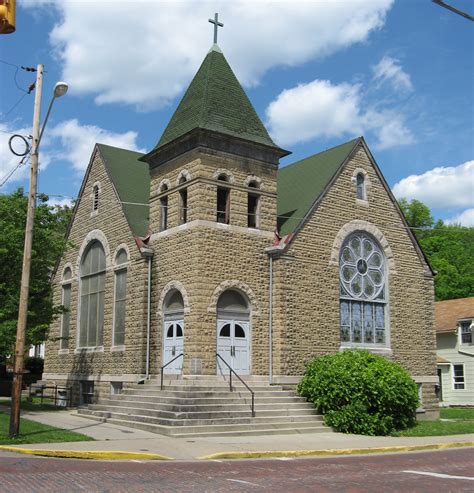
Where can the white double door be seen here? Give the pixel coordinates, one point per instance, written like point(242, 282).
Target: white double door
point(173, 345)
point(233, 345)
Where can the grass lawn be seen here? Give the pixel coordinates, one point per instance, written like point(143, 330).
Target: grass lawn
point(32, 432)
point(457, 413)
point(34, 405)
point(440, 427)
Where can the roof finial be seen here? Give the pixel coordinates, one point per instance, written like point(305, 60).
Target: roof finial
point(217, 24)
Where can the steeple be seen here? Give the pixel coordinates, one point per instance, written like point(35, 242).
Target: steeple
point(215, 101)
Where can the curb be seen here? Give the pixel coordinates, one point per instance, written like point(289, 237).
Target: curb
point(87, 454)
point(333, 452)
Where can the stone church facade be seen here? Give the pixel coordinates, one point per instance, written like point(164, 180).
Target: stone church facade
point(204, 246)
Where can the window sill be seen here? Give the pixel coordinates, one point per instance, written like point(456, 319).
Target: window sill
point(63, 351)
point(116, 349)
point(96, 349)
point(95, 213)
point(373, 349)
point(364, 203)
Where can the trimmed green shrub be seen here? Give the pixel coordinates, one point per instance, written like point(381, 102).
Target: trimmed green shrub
point(360, 392)
point(34, 364)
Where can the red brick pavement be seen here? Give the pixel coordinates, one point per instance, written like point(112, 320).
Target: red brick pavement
point(381, 473)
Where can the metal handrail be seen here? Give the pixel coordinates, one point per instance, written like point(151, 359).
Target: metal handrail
point(230, 382)
point(164, 366)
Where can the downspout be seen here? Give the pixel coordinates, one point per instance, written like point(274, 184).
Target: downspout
point(270, 322)
point(148, 253)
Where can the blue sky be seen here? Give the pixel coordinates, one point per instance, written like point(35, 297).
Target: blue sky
point(319, 73)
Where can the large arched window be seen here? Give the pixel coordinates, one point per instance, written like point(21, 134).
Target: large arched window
point(92, 274)
point(363, 291)
point(120, 295)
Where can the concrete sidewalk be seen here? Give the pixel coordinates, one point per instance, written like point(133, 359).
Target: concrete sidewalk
point(110, 437)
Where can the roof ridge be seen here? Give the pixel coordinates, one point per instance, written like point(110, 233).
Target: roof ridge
point(206, 86)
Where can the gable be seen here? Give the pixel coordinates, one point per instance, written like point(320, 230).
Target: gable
point(301, 183)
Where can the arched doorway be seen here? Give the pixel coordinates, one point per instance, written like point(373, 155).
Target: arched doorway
point(233, 332)
point(173, 331)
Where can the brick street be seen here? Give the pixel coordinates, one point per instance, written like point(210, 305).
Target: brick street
point(449, 470)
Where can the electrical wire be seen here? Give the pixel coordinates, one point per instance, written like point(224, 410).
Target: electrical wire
point(328, 220)
point(12, 171)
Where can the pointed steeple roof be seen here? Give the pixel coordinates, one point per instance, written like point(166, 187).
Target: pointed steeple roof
point(215, 101)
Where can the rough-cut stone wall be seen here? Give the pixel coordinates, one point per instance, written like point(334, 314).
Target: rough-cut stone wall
point(203, 255)
point(110, 226)
point(307, 281)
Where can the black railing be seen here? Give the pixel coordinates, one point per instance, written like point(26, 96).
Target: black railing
point(230, 382)
point(165, 365)
point(60, 396)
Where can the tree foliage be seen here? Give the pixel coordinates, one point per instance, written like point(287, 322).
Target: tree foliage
point(48, 243)
point(449, 249)
point(360, 392)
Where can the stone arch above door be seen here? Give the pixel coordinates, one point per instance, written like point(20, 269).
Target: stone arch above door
point(171, 286)
point(237, 286)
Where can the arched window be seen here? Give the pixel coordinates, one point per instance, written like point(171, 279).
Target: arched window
point(360, 184)
point(120, 295)
point(92, 273)
point(363, 291)
point(223, 201)
point(66, 303)
point(164, 209)
point(95, 198)
point(183, 202)
point(232, 302)
point(253, 207)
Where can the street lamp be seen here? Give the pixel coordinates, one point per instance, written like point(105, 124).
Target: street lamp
point(59, 90)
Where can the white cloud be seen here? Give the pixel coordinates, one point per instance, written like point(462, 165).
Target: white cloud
point(390, 70)
point(60, 201)
point(465, 218)
point(145, 53)
point(321, 108)
point(77, 141)
point(450, 186)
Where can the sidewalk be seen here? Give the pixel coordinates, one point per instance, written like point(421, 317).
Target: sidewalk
point(110, 437)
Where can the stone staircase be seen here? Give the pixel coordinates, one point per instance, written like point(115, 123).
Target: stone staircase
point(204, 406)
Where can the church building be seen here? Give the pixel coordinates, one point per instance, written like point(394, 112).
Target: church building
point(202, 253)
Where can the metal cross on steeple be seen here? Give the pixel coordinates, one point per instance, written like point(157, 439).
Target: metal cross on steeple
point(217, 24)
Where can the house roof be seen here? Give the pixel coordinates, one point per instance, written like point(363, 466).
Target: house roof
point(301, 183)
point(449, 312)
point(131, 179)
point(216, 101)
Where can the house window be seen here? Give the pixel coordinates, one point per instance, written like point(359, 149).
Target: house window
point(466, 332)
point(362, 292)
point(253, 200)
point(458, 377)
point(120, 295)
point(95, 198)
point(183, 203)
point(92, 296)
point(360, 184)
point(164, 210)
point(116, 388)
point(66, 303)
point(87, 392)
point(223, 202)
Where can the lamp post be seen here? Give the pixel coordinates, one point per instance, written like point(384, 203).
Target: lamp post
point(59, 90)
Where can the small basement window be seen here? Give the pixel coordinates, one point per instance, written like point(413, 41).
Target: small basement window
point(87, 392)
point(116, 388)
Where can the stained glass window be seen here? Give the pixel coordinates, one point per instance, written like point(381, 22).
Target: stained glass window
point(363, 291)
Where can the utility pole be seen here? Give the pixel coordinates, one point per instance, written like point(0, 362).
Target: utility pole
point(25, 274)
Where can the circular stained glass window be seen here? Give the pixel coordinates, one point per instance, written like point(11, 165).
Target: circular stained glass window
point(362, 269)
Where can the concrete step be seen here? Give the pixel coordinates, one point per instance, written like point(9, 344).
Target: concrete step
point(212, 413)
point(215, 424)
point(188, 393)
point(209, 401)
point(183, 432)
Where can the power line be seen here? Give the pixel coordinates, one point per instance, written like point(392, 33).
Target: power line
point(12, 171)
point(329, 218)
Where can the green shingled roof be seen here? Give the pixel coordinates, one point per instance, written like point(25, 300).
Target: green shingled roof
point(301, 183)
point(216, 101)
point(131, 179)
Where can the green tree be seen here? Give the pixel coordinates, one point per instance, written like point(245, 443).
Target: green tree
point(48, 243)
point(449, 249)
